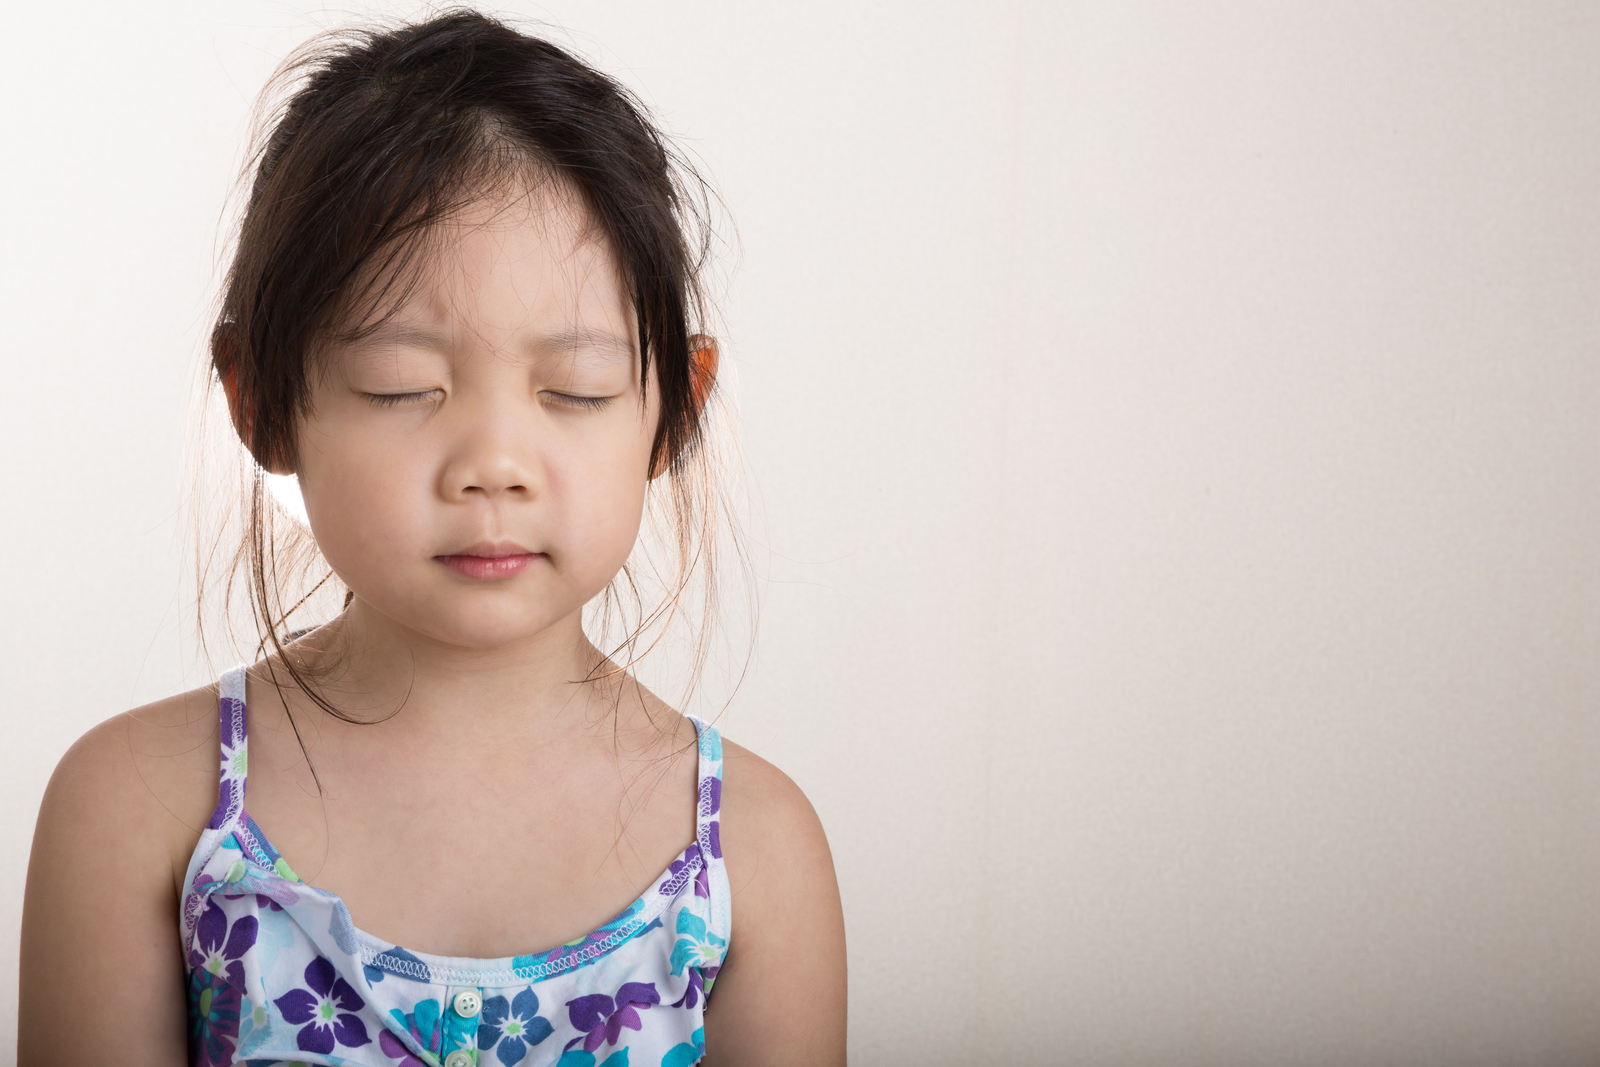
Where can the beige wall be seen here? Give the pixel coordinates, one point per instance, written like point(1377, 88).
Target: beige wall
point(1174, 444)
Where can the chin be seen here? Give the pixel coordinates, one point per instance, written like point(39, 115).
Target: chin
point(486, 629)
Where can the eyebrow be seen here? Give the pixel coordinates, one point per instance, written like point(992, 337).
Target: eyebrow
point(605, 344)
point(609, 346)
point(396, 334)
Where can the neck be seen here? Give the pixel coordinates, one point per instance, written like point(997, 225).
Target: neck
point(371, 668)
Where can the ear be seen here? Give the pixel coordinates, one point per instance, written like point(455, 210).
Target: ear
point(703, 361)
point(242, 410)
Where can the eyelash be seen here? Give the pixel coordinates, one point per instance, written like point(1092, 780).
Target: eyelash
point(389, 400)
point(594, 403)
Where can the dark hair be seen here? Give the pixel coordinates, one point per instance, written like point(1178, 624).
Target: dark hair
point(389, 133)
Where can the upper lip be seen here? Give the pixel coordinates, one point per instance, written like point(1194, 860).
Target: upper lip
point(492, 550)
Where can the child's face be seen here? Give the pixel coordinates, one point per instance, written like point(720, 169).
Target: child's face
point(475, 471)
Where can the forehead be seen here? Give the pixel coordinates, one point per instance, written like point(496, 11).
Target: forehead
point(514, 269)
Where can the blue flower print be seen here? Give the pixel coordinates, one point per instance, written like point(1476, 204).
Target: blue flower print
point(214, 1006)
point(696, 946)
point(512, 1027)
point(699, 950)
point(711, 746)
point(685, 1054)
point(422, 1023)
point(325, 1008)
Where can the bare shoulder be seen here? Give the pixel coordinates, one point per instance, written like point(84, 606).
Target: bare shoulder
point(150, 773)
point(775, 849)
point(763, 808)
point(121, 814)
point(787, 943)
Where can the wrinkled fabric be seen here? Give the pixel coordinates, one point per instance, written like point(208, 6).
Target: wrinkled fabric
point(278, 974)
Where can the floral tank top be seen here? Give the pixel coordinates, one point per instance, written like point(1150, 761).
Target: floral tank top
point(278, 974)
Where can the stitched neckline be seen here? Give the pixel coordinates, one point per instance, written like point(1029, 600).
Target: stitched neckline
point(377, 953)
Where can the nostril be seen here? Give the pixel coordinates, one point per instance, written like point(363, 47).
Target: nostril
point(490, 492)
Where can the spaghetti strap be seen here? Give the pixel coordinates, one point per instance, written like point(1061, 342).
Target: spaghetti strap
point(708, 827)
point(235, 762)
point(263, 950)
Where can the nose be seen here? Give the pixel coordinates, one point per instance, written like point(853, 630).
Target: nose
point(492, 457)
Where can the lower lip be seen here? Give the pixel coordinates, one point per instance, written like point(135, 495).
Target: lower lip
point(483, 568)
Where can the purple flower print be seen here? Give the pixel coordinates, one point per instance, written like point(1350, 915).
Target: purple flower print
point(217, 948)
point(601, 1018)
point(700, 980)
point(324, 1007)
point(710, 795)
point(696, 990)
point(393, 1048)
point(216, 982)
point(512, 1027)
point(710, 804)
point(230, 789)
point(702, 883)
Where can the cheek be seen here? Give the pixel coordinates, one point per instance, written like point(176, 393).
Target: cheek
point(600, 493)
point(361, 502)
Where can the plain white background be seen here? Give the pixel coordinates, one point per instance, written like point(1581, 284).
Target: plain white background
point(1172, 432)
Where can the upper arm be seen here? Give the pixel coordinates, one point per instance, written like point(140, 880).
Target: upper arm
point(100, 915)
point(780, 995)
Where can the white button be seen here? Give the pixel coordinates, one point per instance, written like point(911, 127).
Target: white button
point(459, 1058)
point(467, 1005)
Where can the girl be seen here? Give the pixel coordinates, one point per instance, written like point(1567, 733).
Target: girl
point(459, 312)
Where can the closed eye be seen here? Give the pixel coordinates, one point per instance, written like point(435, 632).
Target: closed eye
point(590, 402)
point(389, 400)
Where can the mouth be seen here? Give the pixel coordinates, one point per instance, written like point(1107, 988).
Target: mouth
point(490, 560)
